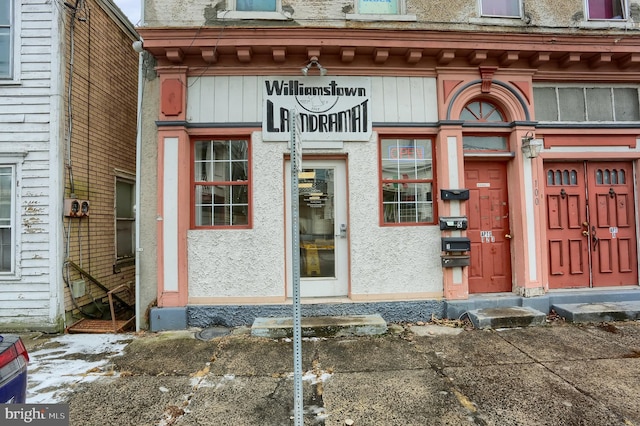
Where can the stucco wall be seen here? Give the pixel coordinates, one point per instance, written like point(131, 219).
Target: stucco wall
point(539, 15)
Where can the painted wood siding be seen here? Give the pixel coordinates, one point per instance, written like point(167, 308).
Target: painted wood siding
point(29, 128)
point(238, 99)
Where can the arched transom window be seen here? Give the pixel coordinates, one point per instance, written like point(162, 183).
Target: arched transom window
point(481, 111)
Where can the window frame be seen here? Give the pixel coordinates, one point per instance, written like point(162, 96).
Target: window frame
point(624, 5)
point(248, 182)
point(585, 113)
point(401, 15)
point(504, 16)
point(231, 12)
point(382, 182)
point(11, 273)
point(14, 44)
point(130, 180)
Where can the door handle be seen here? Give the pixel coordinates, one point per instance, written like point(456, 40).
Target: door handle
point(594, 238)
point(508, 236)
point(343, 231)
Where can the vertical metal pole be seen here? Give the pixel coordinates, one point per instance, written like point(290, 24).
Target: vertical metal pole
point(296, 166)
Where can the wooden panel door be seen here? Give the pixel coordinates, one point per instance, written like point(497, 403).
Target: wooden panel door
point(591, 232)
point(488, 216)
point(567, 244)
point(612, 224)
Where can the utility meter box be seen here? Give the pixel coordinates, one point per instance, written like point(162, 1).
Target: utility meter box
point(454, 194)
point(453, 223)
point(74, 207)
point(456, 244)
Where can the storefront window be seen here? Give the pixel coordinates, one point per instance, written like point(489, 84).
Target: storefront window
point(221, 183)
point(407, 181)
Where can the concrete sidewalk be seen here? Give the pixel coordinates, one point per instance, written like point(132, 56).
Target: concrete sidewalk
point(558, 374)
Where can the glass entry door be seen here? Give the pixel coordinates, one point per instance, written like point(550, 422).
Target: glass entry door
point(323, 229)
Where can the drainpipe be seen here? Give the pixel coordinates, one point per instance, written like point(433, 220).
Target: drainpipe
point(138, 47)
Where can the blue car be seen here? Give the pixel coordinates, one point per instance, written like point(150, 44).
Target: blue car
point(13, 370)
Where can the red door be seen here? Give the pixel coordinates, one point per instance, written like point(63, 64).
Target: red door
point(488, 227)
point(591, 224)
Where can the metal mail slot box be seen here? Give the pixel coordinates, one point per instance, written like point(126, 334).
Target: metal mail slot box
point(456, 244)
point(454, 194)
point(455, 261)
point(453, 223)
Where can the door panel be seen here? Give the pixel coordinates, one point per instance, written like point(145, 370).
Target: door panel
point(610, 185)
point(567, 246)
point(488, 225)
point(590, 224)
point(322, 217)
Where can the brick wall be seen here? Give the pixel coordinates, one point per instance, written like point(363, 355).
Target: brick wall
point(103, 85)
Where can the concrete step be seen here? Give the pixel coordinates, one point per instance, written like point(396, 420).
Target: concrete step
point(506, 317)
point(599, 312)
point(324, 326)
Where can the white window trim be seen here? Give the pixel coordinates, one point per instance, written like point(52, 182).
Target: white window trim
point(13, 160)
point(607, 22)
point(400, 16)
point(232, 13)
point(131, 179)
point(486, 15)
point(16, 25)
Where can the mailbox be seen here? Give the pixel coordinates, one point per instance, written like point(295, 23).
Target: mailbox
point(454, 194)
point(457, 244)
point(453, 223)
point(455, 261)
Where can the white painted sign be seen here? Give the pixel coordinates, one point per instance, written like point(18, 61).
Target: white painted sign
point(487, 237)
point(483, 185)
point(614, 231)
point(329, 108)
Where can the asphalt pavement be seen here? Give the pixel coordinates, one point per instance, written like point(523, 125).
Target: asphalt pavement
point(427, 374)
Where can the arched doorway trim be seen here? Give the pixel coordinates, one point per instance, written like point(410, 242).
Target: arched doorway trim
point(506, 100)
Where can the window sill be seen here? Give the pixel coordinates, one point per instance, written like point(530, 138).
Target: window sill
point(367, 17)
point(270, 16)
point(516, 21)
point(10, 82)
point(604, 24)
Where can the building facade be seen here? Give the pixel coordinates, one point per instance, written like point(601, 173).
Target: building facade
point(485, 148)
point(67, 159)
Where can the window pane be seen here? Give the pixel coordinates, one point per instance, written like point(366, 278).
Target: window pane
point(510, 8)
point(256, 5)
point(5, 198)
point(626, 104)
point(606, 9)
point(492, 143)
point(5, 250)
point(599, 105)
point(125, 238)
point(378, 6)
point(546, 104)
point(124, 199)
point(405, 161)
point(5, 12)
point(572, 106)
point(5, 52)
